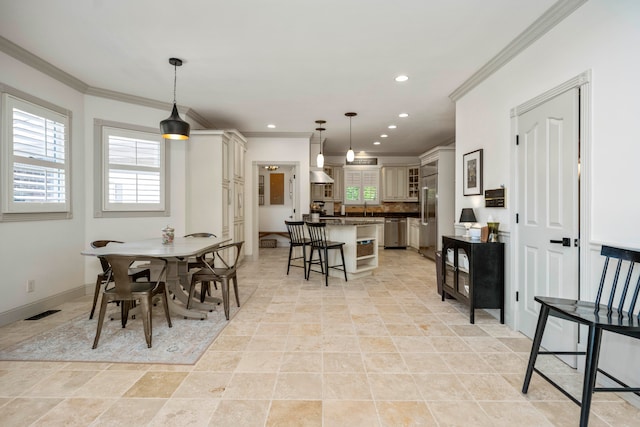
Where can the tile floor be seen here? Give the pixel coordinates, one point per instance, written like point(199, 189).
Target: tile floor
point(377, 351)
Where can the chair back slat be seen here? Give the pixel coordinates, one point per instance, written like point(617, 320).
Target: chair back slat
point(618, 293)
point(317, 233)
point(296, 231)
point(634, 299)
point(625, 288)
point(614, 287)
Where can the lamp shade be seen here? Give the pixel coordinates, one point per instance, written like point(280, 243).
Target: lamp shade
point(174, 127)
point(467, 215)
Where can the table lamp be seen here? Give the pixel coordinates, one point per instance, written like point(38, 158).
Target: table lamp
point(467, 217)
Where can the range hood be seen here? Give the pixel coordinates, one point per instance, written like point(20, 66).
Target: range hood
point(319, 177)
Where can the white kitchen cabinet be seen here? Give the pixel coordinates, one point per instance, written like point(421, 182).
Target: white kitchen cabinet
point(395, 183)
point(338, 179)
point(213, 198)
point(413, 178)
point(414, 232)
point(401, 183)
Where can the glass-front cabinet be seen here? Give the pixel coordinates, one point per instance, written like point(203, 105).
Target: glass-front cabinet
point(473, 273)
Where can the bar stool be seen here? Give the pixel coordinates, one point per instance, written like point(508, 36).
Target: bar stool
point(297, 240)
point(319, 242)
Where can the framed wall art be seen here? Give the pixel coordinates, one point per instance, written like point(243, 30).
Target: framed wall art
point(472, 173)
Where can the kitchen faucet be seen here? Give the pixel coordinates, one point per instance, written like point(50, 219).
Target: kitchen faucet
point(365, 209)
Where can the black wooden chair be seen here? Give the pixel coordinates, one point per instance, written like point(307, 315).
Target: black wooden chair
point(222, 269)
point(297, 239)
point(105, 277)
point(320, 244)
point(617, 314)
point(127, 291)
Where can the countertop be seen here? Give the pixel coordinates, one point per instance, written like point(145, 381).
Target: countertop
point(331, 220)
point(382, 215)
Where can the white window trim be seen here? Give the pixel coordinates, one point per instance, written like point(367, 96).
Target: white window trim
point(361, 170)
point(101, 207)
point(10, 211)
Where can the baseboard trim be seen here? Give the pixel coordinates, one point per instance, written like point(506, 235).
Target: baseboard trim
point(36, 307)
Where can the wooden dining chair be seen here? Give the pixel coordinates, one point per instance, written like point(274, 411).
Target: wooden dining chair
point(221, 266)
point(105, 277)
point(297, 239)
point(127, 291)
point(321, 245)
point(615, 310)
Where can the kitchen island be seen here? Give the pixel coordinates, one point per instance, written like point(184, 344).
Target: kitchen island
point(360, 244)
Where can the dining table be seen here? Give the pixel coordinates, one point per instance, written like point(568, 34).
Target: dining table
point(177, 254)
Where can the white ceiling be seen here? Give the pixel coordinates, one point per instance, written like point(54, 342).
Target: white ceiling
point(249, 63)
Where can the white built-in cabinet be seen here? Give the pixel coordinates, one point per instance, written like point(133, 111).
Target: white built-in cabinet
point(401, 183)
point(215, 183)
point(413, 225)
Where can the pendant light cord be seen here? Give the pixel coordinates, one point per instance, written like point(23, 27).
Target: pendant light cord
point(350, 133)
point(175, 79)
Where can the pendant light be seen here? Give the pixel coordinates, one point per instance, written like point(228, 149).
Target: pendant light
point(350, 154)
point(174, 127)
point(320, 157)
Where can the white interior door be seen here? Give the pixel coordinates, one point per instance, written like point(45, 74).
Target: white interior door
point(548, 214)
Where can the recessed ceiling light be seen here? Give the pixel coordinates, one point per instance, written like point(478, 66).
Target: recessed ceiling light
point(384, 135)
point(376, 143)
point(271, 126)
point(402, 78)
point(403, 115)
point(392, 126)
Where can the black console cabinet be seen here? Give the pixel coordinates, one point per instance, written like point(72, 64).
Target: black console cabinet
point(473, 273)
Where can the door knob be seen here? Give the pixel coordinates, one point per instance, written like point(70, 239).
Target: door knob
point(564, 242)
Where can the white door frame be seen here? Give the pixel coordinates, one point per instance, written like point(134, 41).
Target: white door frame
point(255, 217)
point(582, 82)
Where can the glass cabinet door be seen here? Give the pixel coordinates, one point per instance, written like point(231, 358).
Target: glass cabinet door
point(462, 282)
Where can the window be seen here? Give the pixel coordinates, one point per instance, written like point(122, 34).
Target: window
point(361, 185)
point(132, 174)
point(35, 153)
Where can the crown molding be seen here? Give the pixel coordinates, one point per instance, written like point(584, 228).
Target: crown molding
point(267, 134)
point(554, 15)
point(22, 55)
point(63, 77)
point(202, 121)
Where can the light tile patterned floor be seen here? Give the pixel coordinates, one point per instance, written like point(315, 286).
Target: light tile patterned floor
point(377, 351)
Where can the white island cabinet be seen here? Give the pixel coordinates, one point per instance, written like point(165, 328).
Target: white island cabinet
point(360, 246)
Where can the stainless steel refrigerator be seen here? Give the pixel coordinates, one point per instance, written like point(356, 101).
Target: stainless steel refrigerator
point(429, 209)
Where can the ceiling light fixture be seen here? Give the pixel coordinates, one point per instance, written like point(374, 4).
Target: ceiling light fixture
point(392, 126)
point(403, 115)
point(384, 135)
point(271, 167)
point(376, 143)
point(174, 127)
point(402, 78)
point(350, 154)
point(271, 126)
point(320, 157)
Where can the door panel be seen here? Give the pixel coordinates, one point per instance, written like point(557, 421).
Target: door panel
point(547, 172)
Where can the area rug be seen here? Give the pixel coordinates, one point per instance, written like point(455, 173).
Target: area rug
point(183, 343)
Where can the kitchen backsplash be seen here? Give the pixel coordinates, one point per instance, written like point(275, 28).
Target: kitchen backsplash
point(385, 207)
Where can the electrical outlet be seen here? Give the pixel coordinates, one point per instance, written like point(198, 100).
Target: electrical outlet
point(31, 286)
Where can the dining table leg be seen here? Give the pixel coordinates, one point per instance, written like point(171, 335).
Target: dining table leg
point(177, 271)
